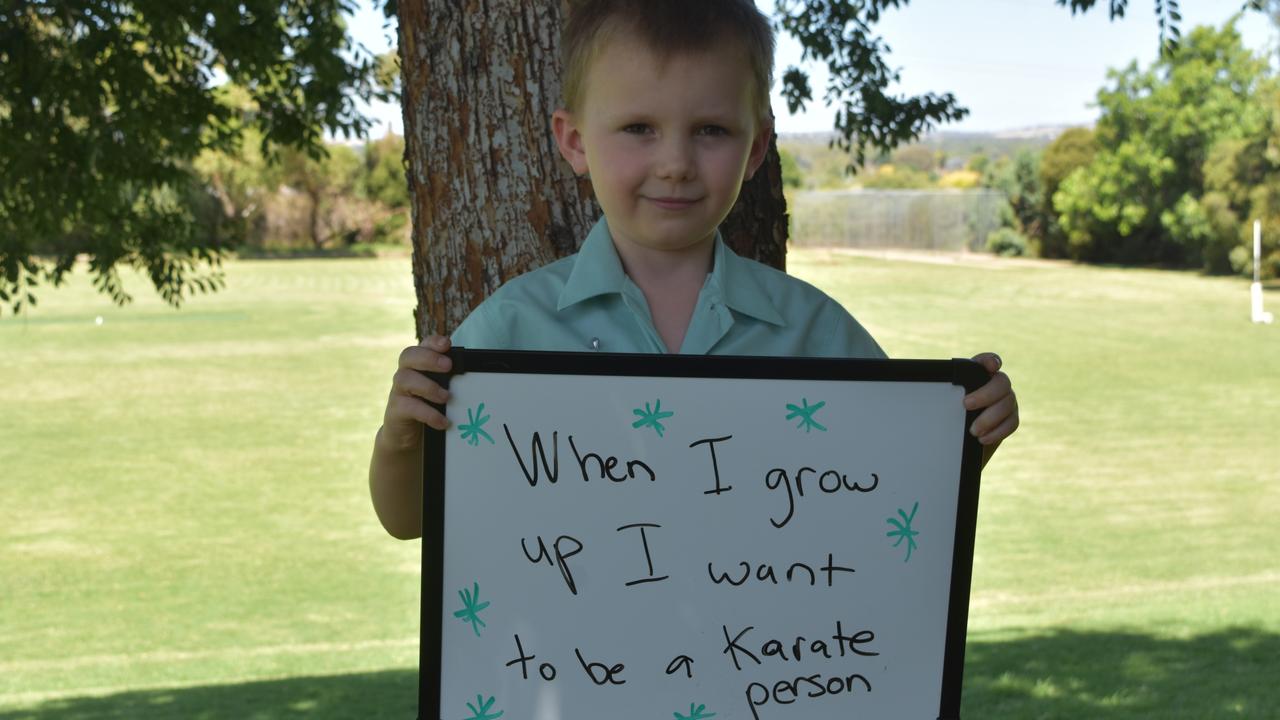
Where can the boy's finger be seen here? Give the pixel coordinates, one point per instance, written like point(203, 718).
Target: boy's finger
point(995, 416)
point(407, 408)
point(419, 410)
point(425, 359)
point(1004, 430)
point(439, 343)
point(414, 383)
point(990, 361)
point(995, 388)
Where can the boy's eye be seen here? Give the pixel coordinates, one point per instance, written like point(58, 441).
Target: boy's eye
point(713, 130)
point(636, 128)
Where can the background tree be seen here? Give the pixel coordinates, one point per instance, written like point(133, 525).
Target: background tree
point(1242, 184)
point(105, 105)
point(384, 184)
point(1018, 178)
point(239, 177)
point(491, 197)
point(1074, 148)
point(839, 33)
point(324, 180)
point(384, 172)
point(792, 176)
point(1137, 200)
point(921, 158)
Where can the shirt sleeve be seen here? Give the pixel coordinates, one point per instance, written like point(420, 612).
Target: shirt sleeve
point(479, 330)
point(844, 336)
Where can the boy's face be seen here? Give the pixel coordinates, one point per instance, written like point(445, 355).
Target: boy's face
point(667, 144)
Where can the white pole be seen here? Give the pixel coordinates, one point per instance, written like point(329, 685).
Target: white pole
point(1255, 290)
point(1257, 250)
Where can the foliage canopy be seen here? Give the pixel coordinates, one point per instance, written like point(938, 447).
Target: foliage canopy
point(1139, 199)
point(105, 105)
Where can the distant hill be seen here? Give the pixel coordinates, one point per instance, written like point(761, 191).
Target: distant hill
point(953, 143)
point(947, 150)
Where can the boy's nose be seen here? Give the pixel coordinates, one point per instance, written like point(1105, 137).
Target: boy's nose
point(675, 160)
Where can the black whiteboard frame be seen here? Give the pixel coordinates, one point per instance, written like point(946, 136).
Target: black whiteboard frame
point(966, 373)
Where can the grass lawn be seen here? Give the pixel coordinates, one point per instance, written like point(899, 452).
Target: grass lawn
point(185, 529)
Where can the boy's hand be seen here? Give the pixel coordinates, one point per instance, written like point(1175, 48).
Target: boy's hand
point(1000, 418)
point(407, 408)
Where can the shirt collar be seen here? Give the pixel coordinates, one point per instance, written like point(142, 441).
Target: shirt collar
point(598, 271)
point(738, 283)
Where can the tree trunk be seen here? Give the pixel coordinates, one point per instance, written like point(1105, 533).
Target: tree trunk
point(492, 198)
point(757, 225)
point(314, 220)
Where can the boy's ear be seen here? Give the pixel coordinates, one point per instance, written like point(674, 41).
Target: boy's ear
point(569, 140)
point(759, 146)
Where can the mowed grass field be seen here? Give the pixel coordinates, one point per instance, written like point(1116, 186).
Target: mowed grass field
point(185, 529)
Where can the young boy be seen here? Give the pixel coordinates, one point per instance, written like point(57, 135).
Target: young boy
point(667, 111)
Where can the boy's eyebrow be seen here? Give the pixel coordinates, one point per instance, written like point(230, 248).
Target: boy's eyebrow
point(727, 122)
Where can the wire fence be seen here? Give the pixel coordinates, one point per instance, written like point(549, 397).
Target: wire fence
point(950, 220)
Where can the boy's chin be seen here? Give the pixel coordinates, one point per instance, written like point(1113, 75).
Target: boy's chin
point(667, 234)
point(675, 242)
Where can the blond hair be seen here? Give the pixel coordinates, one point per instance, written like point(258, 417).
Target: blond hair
point(667, 27)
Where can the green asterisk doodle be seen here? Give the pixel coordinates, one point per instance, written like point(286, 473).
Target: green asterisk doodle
point(651, 416)
point(482, 712)
point(471, 607)
point(473, 429)
point(695, 713)
point(904, 531)
point(805, 414)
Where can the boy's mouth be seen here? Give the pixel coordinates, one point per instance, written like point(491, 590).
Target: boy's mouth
point(673, 203)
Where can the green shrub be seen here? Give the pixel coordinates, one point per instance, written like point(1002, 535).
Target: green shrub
point(1007, 242)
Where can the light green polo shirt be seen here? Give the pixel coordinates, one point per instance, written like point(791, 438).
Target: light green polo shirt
point(586, 302)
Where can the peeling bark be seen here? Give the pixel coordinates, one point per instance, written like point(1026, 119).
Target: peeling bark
point(492, 198)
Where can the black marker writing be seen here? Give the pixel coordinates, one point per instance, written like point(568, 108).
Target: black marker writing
point(829, 482)
point(715, 466)
point(546, 670)
point(605, 466)
point(599, 673)
point(552, 471)
point(561, 557)
point(785, 692)
point(678, 662)
point(764, 572)
point(774, 648)
point(644, 539)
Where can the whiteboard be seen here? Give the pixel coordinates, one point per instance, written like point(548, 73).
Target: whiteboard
point(628, 537)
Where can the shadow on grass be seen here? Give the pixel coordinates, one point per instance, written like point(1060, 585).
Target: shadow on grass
point(358, 250)
point(1108, 675)
point(304, 254)
point(1063, 674)
point(389, 695)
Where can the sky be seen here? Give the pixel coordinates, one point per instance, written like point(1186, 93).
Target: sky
point(1015, 64)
